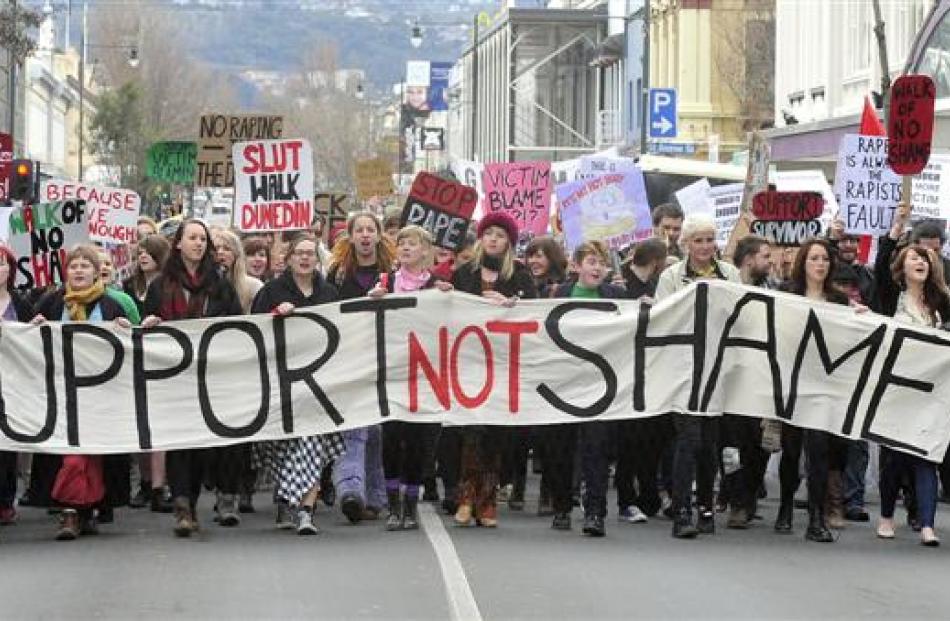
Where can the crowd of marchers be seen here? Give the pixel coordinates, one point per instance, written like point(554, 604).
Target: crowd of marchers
point(677, 467)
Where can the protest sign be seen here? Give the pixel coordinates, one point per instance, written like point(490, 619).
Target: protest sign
point(456, 359)
point(727, 201)
point(694, 198)
point(172, 162)
point(867, 189)
point(931, 190)
point(273, 185)
point(610, 208)
point(374, 178)
point(40, 235)
point(522, 190)
point(602, 164)
point(910, 124)
point(787, 218)
point(6, 165)
point(331, 207)
point(122, 263)
point(217, 134)
point(566, 171)
point(442, 207)
point(113, 213)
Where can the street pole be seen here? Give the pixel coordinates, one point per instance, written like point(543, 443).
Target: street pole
point(882, 56)
point(474, 86)
point(11, 83)
point(82, 84)
point(645, 92)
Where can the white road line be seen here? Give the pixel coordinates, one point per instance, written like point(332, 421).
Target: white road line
point(462, 605)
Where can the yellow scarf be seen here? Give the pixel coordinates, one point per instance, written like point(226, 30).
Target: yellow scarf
point(76, 301)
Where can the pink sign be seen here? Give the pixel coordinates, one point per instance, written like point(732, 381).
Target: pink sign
point(523, 190)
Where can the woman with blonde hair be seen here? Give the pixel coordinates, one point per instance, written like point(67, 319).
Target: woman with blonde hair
point(230, 256)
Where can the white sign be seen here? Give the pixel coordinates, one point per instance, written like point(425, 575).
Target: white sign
point(931, 194)
point(341, 366)
point(868, 191)
point(273, 185)
point(726, 202)
point(418, 73)
point(113, 213)
point(694, 198)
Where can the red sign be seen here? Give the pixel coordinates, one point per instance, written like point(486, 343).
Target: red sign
point(788, 206)
point(911, 125)
point(442, 207)
point(6, 165)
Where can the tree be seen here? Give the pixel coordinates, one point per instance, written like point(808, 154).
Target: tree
point(744, 57)
point(15, 22)
point(119, 138)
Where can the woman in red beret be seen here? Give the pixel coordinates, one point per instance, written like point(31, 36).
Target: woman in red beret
point(492, 273)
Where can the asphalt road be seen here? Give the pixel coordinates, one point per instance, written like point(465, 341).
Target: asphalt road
point(136, 569)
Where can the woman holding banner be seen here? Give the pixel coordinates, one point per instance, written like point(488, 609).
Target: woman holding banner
point(408, 447)
point(697, 438)
point(152, 252)
point(296, 464)
point(357, 261)
point(231, 258)
point(85, 484)
point(190, 287)
point(911, 288)
point(824, 453)
point(494, 274)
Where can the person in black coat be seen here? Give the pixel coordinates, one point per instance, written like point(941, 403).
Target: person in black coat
point(494, 274)
point(190, 287)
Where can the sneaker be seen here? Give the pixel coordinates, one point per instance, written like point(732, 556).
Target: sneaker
point(561, 521)
point(184, 525)
point(305, 525)
point(666, 506)
point(285, 520)
point(857, 514)
point(68, 525)
point(706, 523)
point(8, 515)
point(633, 514)
point(228, 511)
point(683, 525)
point(594, 526)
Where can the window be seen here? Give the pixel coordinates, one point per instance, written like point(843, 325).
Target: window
point(935, 60)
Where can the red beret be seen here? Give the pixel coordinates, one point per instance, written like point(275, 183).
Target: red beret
point(501, 220)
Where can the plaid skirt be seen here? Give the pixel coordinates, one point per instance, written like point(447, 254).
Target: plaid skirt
point(294, 465)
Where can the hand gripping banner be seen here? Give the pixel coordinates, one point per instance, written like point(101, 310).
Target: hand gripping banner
point(456, 359)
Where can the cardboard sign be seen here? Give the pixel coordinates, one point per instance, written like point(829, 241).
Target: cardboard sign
point(374, 178)
point(868, 191)
point(332, 207)
point(787, 218)
point(910, 126)
point(217, 134)
point(442, 207)
point(172, 162)
point(611, 208)
point(113, 213)
point(40, 235)
point(273, 185)
point(523, 190)
point(6, 165)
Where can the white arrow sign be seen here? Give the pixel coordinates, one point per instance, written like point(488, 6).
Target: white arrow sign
point(663, 125)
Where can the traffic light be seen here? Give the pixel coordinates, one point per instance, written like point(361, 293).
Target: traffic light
point(25, 181)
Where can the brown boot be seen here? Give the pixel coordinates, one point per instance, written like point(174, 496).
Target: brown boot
point(68, 525)
point(184, 519)
point(834, 501)
point(466, 503)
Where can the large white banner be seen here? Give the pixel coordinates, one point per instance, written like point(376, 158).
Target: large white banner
point(452, 358)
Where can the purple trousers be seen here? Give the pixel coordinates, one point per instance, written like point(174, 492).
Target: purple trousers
point(360, 471)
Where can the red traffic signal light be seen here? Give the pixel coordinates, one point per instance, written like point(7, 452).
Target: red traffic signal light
point(24, 182)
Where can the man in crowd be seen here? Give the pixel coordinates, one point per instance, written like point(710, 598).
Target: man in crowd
point(667, 225)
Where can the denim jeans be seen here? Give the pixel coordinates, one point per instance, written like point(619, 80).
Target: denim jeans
point(360, 470)
point(854, 474)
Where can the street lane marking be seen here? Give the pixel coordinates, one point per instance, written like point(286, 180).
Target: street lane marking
point(462, 605)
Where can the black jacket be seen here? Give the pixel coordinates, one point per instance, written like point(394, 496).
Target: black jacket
point(348, 287)
point(284, 289)
point(606, 291)
point(222, 299)
point(53, 304)
point(22, 306)
point(468, 279)
point(636, 288)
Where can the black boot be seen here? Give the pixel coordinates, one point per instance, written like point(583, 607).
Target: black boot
point(409, 521)
point(683, 525)
point(783, 521)
point(394, 520)
point(817, 531)
point(161, 503)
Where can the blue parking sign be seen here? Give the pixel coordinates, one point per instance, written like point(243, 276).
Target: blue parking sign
point(662, 113)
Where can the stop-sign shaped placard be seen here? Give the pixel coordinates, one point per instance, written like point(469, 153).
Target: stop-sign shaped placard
point(910, 127)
